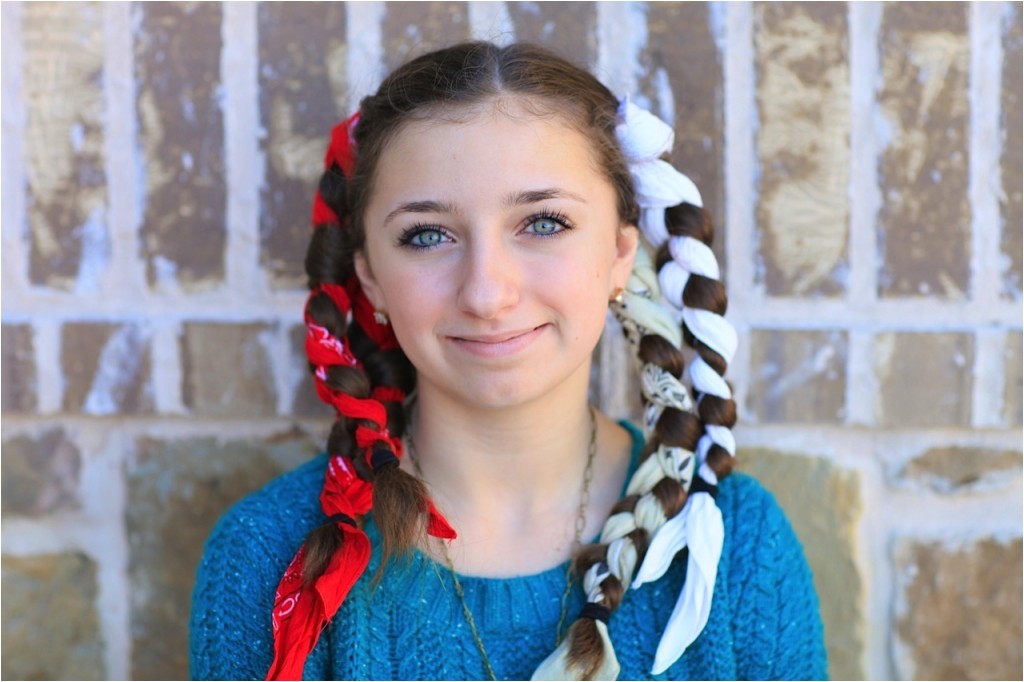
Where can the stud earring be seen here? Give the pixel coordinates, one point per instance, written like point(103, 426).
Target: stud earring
point(380, 317)
point(616, 296)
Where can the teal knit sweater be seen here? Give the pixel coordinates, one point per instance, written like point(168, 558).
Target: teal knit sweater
point(764, 621)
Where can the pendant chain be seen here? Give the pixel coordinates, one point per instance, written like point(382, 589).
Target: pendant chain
point(579, 527)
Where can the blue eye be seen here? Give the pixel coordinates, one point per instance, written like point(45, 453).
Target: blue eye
point(548, 224)
point(423, 237)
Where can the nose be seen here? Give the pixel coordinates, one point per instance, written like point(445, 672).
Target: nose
point(491, 280)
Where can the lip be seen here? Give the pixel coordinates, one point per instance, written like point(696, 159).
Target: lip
point(500, 344)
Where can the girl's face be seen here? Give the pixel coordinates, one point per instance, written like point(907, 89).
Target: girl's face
point(494, 244)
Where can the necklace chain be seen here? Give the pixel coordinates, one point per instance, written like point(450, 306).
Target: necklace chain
point(579, 526)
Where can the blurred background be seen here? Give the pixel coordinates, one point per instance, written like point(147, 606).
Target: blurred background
point(863, 162)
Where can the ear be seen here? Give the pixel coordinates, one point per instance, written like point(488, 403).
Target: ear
point(627, 241)
point(369, 283)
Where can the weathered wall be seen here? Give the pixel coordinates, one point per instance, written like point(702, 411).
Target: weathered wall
point(864, 164)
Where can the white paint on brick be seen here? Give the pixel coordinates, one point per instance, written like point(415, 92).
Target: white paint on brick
point(166, 368)
point(117, 369)
point(244, 170)
point(615, 365)
point(95, 243)
point(125, 276)
point(275, 346)
point(489, 20)
point(862, 389)
point(621, 38)
point(366, 49)
point(15, 226)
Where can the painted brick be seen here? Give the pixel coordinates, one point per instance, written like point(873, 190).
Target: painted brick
point(952, 469)
point(798, 376)
point(568, 28)
point(958, 616)
point(40, 474)
point(682, 80)
point(305, 402)
point(63, 80)
point(1012, 161)
point(924, 379)
point(925, 218)
point(107, 368)
point(176, 492)
point(18, 391)
point(50, 624)
point(302, 57)
point(1013, 410)
point(414, 28)
point(803, 142)
point(177, 63)
point(226, 370)
point(824, 504)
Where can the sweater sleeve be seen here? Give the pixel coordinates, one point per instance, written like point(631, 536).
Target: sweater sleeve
point(780, 634)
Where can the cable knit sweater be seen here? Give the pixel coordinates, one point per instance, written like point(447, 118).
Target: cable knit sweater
point(764, 621)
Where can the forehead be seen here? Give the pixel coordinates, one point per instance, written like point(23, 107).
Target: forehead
point(500, 142)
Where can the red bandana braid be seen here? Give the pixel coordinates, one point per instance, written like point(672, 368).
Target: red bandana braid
point(302, 609)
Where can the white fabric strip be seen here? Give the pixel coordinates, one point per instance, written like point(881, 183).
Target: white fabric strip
point(706, 380)
point(695, 256)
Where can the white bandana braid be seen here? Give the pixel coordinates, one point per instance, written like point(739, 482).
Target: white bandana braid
point(662, 512)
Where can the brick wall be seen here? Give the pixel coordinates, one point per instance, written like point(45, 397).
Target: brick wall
point(864, 163)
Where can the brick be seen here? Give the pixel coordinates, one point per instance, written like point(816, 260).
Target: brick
point(305, 402)
point(176, 492)
point(952, 469)
point(958, 615)
point(50, 624)
point(63, 81)
point(107, 368)
point(568, 28)
point(414, 28)
point(40, 474)
point(18, 392)
point(1012, 160)
point(181, 132)
point(1013, 410)
point(301, 54)
point(226, 370)
point(924, 223)
point(924, 379)
point(682, 80)
point(798, 376)
point(824, 504)
point(803, 143)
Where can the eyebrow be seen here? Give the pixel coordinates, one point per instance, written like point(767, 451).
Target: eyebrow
point(511, 200)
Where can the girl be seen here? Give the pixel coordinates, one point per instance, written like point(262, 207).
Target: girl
point(475, 220)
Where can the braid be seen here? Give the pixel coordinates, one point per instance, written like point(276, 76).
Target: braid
point(688, 450)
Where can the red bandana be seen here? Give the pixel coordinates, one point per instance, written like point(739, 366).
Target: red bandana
point(302, 611)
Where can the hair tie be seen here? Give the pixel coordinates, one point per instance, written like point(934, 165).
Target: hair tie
point(383, 458)
point(701, 486)
point(596, 611)
point(342, 518)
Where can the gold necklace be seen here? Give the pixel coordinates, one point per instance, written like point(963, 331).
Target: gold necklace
point(580, 524)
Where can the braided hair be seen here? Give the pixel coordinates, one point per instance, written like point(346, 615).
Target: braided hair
point(360, 369)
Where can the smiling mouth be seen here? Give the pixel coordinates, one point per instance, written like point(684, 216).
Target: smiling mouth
point(498, 344)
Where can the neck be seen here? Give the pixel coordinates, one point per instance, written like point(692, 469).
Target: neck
point(485, 461)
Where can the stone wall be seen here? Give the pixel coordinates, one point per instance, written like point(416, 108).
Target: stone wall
point(864, 164)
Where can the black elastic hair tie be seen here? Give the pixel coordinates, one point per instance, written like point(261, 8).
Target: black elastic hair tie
point(382, 458)
point(596, 611)
point(342, 518)
point(699, 485)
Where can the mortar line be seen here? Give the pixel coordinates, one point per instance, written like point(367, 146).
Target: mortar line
point(621, 38)
point(490, 20)
point(244, 174)
point(364, 36)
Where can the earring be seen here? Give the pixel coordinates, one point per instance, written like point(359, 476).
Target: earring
point(616, 296)
point(380, 317)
